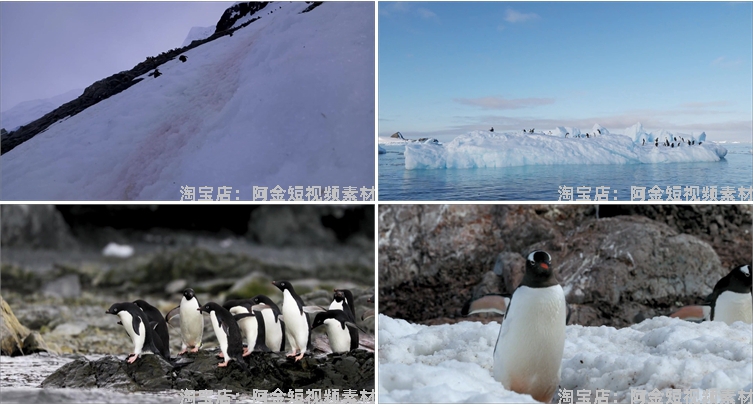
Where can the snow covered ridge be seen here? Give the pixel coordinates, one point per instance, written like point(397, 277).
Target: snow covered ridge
point(561, 146)
point(453, 363)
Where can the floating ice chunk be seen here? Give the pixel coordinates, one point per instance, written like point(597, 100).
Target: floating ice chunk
point(486, 149)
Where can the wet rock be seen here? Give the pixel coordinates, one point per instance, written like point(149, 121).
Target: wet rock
point(298, 225)
point(68, 286)
point(267, 371)
point(176, 286)
point(16, 339)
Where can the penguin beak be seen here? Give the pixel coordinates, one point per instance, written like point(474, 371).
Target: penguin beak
point(544, 266)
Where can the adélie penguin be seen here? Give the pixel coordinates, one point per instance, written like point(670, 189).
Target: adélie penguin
point(191, 321)
point(342, 332)
point(274, 327)
point(252, 326)
point(528, 353)
point(343, 300)
point(157, 321)
point(227, 331)
point(731, 300)
point(137, 326)
point(296, 320)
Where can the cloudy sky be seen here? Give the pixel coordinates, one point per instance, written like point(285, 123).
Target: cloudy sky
point(448, 68)
point(50, 48)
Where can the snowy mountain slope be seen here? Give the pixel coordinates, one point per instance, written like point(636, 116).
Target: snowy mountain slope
point(287, 100)
point(28, 111)
point(453, 363)
point(198, 33)
point(491, 149)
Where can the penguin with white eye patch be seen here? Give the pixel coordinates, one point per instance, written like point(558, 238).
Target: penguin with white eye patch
point(228, 333)
point(531, 342)
point(191, 321)
point(342, 332)
point(297, 331)
point(731, 300)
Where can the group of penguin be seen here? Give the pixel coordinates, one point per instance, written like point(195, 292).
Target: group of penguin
point(266, 327)
point(529, 349)
point(666, 142)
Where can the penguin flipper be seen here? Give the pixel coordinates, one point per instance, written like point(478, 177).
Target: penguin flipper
point(312, 309)
point(494, 303)
point(282, 345)
point(173, 317)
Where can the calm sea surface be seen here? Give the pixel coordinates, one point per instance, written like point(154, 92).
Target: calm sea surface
point(541, 183)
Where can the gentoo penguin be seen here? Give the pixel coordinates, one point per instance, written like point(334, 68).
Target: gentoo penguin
point(191, 321)
point(296, 321)
point(135, 323)
point(731, 299)
point(531, 341)
point(343, 300)
point(274, 327)
point(342, 332)
point(252, 326)
point(161, 335)
point(227, 331)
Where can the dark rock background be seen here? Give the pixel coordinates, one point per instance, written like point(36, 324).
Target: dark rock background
point(630, 263)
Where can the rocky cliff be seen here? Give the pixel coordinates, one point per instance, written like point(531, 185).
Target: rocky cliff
point(627, 264)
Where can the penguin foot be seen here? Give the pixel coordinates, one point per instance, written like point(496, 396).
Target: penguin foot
point(132, 358)
point(223, 364)
point(246, 352)
point(300, 356)
point(195, 349)
point(292, 354)
point(221, 355)
point(183, 352)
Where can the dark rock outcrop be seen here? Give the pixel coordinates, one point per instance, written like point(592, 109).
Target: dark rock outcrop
point(312, 6)
point(35, 226)
point(236, 12)
point(615, 270)
point(268, 371)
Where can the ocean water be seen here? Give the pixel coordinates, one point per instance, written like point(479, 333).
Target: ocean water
point(541, 183)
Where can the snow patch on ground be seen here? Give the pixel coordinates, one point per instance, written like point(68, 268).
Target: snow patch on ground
point(453, 363)
point(198, 33)
point(28, 111)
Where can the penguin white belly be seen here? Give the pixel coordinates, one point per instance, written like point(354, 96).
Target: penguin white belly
point(336, 305)
point(339, 338)
point(296, 325)
point(191, 323)
point(732, 307)
point(251, 330)
point(138, 340)
point(272, 330)
point(221, 336)
point(528, 354)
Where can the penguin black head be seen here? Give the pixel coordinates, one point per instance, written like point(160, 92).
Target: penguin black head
point(335, 314)
point(283, 285)
point(743, 275)
point(188, 293)
point(539, 271)
point(114, 309)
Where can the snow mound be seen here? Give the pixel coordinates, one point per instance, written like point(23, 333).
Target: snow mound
point(197, 34)
point(487, 149)
point(453, 363)
point(381, 150)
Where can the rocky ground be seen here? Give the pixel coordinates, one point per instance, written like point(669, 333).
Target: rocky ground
point(618, 264)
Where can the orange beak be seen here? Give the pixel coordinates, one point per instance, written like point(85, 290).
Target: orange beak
point(545, 266)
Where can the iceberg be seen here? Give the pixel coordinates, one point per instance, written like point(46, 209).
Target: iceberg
point(491, 149)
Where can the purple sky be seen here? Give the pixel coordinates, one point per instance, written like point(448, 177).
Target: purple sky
point(49, 48)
